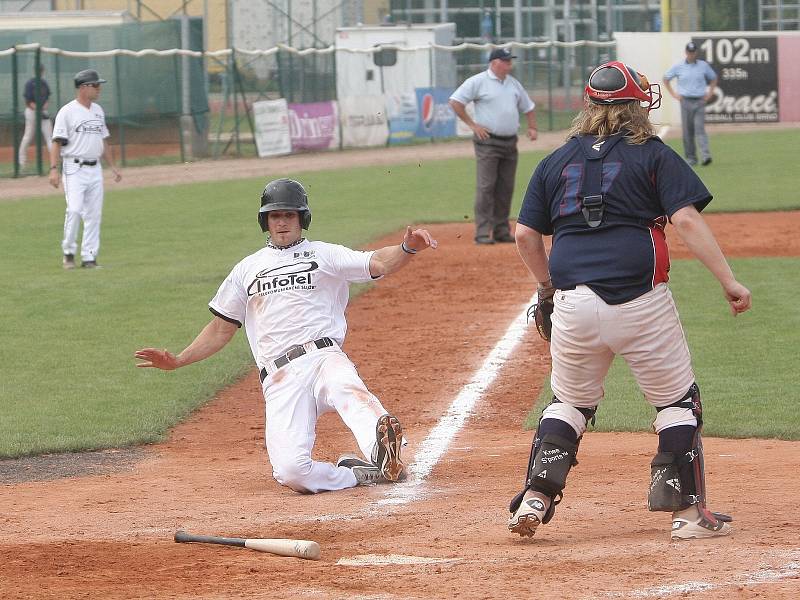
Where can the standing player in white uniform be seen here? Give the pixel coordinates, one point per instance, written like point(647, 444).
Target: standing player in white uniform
point(79, 131)
point(291, 297)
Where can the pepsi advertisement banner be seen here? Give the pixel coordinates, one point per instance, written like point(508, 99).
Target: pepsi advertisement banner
point(436, 118)
point(747, 78)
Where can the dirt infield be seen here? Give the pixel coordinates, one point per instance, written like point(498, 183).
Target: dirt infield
point(417, 338)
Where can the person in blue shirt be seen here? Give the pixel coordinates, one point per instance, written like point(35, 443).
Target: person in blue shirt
point(498, 98)
point(606, 197)
point(36, 93)
point(696, 84)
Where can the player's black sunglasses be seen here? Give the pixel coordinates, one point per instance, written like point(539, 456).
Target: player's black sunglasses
point(94, 85)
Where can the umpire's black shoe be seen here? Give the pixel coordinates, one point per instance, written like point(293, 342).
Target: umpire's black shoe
point(484, 239)
point(504, 239)
point(706, 161)
point(388, 443)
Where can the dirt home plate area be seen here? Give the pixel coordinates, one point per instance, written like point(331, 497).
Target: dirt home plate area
point(436, 343)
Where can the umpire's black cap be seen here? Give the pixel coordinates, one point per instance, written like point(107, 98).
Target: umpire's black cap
point(501, 53)
point(87, 76)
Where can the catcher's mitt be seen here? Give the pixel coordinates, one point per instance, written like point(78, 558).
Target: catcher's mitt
point(541, 312)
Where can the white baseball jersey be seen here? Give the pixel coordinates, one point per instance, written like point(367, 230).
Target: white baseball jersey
point(83, 128)
point(291, 296)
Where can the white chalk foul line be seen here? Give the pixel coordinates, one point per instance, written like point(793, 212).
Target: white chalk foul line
point(762, 576)
point(436, 444)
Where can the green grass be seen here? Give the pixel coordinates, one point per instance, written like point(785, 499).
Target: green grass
point(751, 172)
point(744, 365)
point(67, 338)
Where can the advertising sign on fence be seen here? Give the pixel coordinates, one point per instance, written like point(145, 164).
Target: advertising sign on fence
point(271, 121)
point(436, 118)
point(747, 78)
point(314, 126)
point(401, 110)
point(363, 121)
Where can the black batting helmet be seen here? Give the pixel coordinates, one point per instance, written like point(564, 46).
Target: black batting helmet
point(616, 83)
point(284, 194)
point(87, 76)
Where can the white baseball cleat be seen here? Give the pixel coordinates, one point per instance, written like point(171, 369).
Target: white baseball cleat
point(527, 517)
point(693, 523)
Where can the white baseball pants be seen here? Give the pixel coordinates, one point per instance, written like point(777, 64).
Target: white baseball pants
point(83, 188)
point(646, 332)
point(30, 131)
point(295, 395)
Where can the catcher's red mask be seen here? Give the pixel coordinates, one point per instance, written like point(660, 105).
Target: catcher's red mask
point(615, 83)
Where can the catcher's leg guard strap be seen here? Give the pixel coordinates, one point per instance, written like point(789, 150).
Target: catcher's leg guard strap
point(577, 418)
point(553, 455)
point(561, 426)
point(552, 464)
point(677, 475)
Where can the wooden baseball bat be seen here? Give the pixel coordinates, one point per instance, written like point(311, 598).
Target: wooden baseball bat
point(281, 547)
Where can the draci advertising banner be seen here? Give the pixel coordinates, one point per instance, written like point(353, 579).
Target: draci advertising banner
point(747, 78)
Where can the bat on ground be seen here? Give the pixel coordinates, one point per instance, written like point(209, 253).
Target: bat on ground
point(281, 547)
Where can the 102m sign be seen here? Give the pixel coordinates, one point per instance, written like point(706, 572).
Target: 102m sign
point(747, 78)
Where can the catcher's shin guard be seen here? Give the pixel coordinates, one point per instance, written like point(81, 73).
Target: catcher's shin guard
point(553, 454)
point(678, 470)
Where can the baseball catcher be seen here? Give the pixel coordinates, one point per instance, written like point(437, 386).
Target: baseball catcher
point(606, 196)
point(290, 296)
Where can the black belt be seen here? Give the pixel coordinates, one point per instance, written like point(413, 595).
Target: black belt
point(610, 219)
point(292, 353)
point(504, 138)
point(88, 163)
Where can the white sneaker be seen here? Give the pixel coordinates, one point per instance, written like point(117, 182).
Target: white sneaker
point(695, 523)
point(527, 517)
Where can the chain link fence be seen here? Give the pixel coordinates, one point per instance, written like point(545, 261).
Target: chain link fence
point(177, 104)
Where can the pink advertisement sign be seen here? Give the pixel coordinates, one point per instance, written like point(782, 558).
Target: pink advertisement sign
point(314, 126)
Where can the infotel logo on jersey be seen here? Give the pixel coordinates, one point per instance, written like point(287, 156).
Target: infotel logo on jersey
point(280, 279)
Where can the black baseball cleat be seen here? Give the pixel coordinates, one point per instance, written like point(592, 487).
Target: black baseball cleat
point(484, 240)
point(90, 264)
point(365, 472)
point(706, 161)
point(388, 442)
point(68, 262)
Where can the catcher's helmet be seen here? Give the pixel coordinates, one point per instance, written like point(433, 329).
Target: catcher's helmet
point(284, 194)
point(87, 76)
point(616, 83)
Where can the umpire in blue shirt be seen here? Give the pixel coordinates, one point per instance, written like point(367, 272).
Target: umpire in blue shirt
point(696, 84)
point(498, 98)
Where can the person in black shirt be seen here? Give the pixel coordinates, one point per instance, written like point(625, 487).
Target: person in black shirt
point(606, 196)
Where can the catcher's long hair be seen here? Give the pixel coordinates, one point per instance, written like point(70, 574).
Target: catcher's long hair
point(604, 120)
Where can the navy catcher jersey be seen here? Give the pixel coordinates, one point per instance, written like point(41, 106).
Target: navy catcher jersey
point(626, 256)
